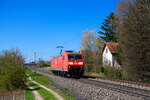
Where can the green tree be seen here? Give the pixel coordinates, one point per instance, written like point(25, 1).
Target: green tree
point(108, 29)
point(135, 41)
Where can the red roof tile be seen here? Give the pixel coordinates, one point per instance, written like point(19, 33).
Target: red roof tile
point(112, 46)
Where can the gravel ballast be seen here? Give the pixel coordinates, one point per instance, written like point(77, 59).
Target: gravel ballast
point(87, 91)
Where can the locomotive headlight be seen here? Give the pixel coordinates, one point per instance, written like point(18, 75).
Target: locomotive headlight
point(70, 63)
point(80, 63)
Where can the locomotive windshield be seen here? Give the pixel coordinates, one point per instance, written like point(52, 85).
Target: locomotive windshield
point(74, 57)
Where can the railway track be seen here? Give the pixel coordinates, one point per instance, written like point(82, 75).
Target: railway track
point(119, 88)
point(132, 91)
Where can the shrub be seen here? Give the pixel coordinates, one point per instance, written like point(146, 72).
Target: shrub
point(132, 77)
point(3, 83)
point(12, 73)
point(17, 78)
point(102, 69)
point(88, 67)
point(112, 72)
point(14, 79)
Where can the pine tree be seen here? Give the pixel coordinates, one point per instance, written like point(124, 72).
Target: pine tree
point(108, 29)
point(135, 41)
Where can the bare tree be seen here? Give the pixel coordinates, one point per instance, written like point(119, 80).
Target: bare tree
point(122, 12)
point(98, 53)
point(135, 41)
point(87, 47)
point(91, 48)
point(11, 58)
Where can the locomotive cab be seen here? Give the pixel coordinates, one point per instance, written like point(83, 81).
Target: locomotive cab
point(75, 64)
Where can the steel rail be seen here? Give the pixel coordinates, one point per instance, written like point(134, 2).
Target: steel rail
point(119, 88)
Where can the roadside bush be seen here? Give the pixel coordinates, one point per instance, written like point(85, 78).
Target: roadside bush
point(101, 69)
point(12, 73)
point(3, 83)
point(132, 77)
point(88, 67)
point(112, 72)
point(17, 78)
point(98, 69)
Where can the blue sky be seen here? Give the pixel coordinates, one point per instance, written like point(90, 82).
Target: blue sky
point(41, 25)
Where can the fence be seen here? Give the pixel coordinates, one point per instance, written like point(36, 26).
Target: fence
point(15, 95)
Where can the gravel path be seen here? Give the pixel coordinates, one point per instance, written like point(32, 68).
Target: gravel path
point(57, 96)
point(36, 94)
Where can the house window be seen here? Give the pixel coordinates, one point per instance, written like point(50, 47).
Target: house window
point(63, 57)
point(106, 50)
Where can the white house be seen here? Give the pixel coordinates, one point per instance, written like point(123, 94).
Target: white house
point(109, 54)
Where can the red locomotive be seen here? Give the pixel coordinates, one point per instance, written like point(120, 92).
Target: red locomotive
point(69, 63)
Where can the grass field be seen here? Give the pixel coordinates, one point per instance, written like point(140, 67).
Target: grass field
point(98, 74)
point(44, 80)
point(46, 95)
point(46, 68)
point(29, 94)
